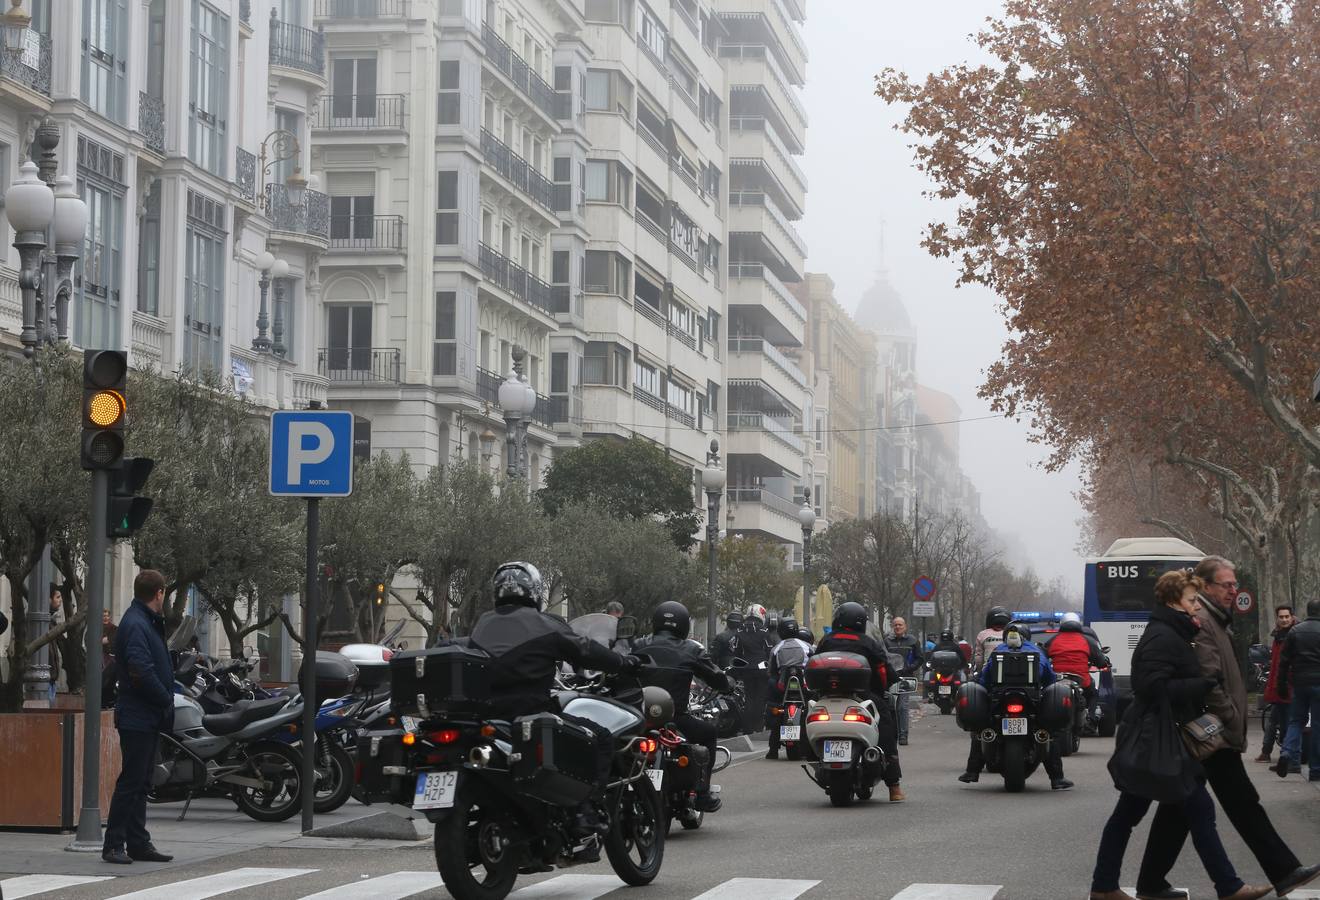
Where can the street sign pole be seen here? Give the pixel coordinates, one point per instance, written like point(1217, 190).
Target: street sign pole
point(89, 839)
point(310, 612)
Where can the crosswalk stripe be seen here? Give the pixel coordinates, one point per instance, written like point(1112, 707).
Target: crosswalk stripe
point(758, 889)
point(211, 885)
point(27, 885)
point(949, 892)
point(1304, 895)
point(569, 887)
point(1188, 892)
point(384, 887)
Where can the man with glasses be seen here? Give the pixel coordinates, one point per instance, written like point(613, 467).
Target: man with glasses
point(1224, 769)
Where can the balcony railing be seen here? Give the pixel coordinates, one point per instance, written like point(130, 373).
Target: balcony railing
point(359, 112)
point(151, 121)
point(312, 218)
point(758, 270)
point(505, 273)
point(296, 47)
point(31, 65)
point(360, 364)
point(646, 398)
point(758, 123)
point(517, 170)
point(758, 198)
point(488, 386)
point(245, 173)
point(770, 352)
point(754, 421)
point(366, 232)
point(515, 68)
point(766, 498)
point(358, 9)
point(488, 391)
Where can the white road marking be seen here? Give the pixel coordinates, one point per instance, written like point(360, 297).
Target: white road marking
point(211, 885)
point(570, 887)
point(758, 889)
point(384, 887)
point(27, 885)
point(949, 892)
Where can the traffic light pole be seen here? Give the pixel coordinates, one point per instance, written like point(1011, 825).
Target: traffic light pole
point(88, 838)
point(310, 613)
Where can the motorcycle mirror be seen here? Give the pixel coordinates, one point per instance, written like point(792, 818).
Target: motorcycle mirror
point(625, 628)
point(1104, 649)
point(737, 662)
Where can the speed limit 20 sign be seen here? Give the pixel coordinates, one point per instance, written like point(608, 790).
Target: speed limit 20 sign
point(1244, 602)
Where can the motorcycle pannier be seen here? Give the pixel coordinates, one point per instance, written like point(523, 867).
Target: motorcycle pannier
point(685, 778)
point(451, 680)
point(1056, 706)
point(973, 707)
point(836, 674)
point(557, 762)
point(335, 675)
point(378, 751)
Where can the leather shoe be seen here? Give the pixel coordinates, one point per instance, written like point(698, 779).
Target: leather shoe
point(1263, 757)
point(1281, 767)
point(1061, 784)
point(969, 777)
point(1250, 892)
point(149, 853)
point(772, 754)
point(1111, 895)
point(1296, 878)
point(1162, 894)
point(896, 794)
point(117, 856)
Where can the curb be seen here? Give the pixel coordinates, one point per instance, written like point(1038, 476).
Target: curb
point(386, 826)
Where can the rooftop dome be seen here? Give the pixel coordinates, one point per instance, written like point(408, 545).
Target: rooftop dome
point(881, 309)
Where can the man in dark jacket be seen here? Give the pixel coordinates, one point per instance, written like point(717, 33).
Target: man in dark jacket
point(675, 660)
point(1299, 667)
point(721, 649)
point(906, 645)
point(145, 708)
point(848, 635)
point(1276, 692)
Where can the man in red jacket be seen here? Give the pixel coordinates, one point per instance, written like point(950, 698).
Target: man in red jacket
point(1073, 651)
point(1276, 695)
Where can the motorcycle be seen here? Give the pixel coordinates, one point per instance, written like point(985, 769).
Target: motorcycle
point(1081, 719)
point(789, 715)
point(675, 775)
point(945, 673)
point(841, 727)
point(724, 710)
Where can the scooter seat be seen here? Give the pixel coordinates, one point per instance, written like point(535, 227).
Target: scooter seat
point(242, 714)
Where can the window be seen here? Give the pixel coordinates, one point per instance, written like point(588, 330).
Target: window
point(608, 273)
point(609, 182)
point(558, 373)
point(444, 360)
point(98, 274)
point(353, 88)
point(209, 101)
point(682, 397)
point(605, 363)
point(609, 91)
point(290, 121)
point(707, 34)
point(682, 318)
point(559, 267)
point(352, 221)
point(683, 232)
point(450, 104)
point(646, 378)
point(203, 283)
point(612, 12)
point(651, 35)
point(348, 338)
point(105, 57)
point(710, 109)
point(820, 433)
point(446, 204)
point(712, 398)
point(149, 237)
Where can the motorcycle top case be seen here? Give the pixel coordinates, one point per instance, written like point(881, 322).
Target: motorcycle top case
point(336, 675)
point(557, 759)
point(972, 709)
point(946, 661)
point(450, 680)
point(1010, 668)
point(1056, 709)
point(835, 674)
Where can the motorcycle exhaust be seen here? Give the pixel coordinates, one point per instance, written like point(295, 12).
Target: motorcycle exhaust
point(872, 754)
point(480, 756)
point(1042, 736)
point(988, 735)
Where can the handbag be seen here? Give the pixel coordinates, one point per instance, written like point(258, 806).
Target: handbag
point(1150, 759)
point(1204, 736)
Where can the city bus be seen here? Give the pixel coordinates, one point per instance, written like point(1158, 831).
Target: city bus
point(1120, 588)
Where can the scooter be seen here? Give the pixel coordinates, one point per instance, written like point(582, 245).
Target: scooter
point(841, 727)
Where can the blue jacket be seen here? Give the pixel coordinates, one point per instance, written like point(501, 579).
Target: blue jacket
point(1046, 672)
point(146, 678)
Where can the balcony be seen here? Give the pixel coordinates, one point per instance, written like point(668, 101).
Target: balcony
point(765, 304)
point(761, 511)
point(765, 22)
point(754, 215)
point(359, 9)
point(367, 233)
point(148, 340)
point(488, 391)
point(29, 67)
point(151, 121)
point(503, 272)
point(308, 388)
point(517, 171)
point(755, 64)
point(311, 220)
point(768, 445)
point(768, 165)
point(359, 112)
point(757, 364)
point(513, 67)
point(780, 431)
point(360, 364)
point(245, 173)
point(297, 48)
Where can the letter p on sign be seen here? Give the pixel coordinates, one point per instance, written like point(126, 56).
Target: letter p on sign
point(305, 452)
point(311, 453)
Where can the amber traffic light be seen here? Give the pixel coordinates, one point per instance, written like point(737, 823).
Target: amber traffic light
point(104, 408)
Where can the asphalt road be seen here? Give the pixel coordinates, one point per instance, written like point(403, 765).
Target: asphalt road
point(777, 826)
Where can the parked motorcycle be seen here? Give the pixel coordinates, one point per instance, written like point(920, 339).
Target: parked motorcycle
point(841, 727)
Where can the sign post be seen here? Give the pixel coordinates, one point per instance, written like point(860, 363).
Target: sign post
point(923, 589)
point(311, 456)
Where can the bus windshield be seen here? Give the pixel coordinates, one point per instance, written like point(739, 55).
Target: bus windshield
point(1128, 585)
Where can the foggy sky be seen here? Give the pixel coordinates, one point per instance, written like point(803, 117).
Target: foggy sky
point(860, 174)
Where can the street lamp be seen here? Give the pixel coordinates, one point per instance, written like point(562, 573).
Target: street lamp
point(517, 402)
point(16, 23)
point(807, 516)
point(30, 208)
point(712, 479)
point(281, 146)
point(278, 272)
point(264, 262)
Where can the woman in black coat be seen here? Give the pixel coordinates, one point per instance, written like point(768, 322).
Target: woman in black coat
point(1164, 666)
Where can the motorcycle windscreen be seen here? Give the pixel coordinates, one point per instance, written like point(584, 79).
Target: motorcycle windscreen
point(614, 717)
point(599, 627)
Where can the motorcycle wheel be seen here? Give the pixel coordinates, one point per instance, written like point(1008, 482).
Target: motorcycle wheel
point(793, 749)
point(1013, 765)
point(840, 788)
point(1109, 723)
point(946, 707)
point(282, 766)
point(864, 793)
point(635, 844)
point(333, 791)
point(473, 862)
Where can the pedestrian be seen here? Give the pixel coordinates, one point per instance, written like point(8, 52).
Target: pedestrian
point(109, 675)
point(614, 608)
point(53, 648)
point(1299, 667)
point(144, 709)
point(1223, 768)
point(722, 646)
point(1165, 668)
point(907, 646)
point(1276, 692)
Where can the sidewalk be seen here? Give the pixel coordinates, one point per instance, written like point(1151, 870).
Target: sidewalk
point(213, 828)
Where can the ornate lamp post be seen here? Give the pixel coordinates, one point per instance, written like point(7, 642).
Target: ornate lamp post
point(264, 262)
point(807, 516)
point(278, 272)
point(15, 22)
point(712, 480)
point(277, 147)
point(517, 402)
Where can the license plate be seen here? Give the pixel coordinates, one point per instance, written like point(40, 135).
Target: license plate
point(1015, 726)
point(837, 752)
point(435, 790)
point(657, 777)
point(409, 723)
point(946, 689)
point(790, 732)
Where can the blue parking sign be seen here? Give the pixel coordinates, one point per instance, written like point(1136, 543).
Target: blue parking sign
point(311, 453)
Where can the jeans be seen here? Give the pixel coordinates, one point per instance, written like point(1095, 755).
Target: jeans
point(1196, 813)
point(1306, 701)
point(126, 826)
point(1237, 795)
point(1276, 727)
point(904, 712)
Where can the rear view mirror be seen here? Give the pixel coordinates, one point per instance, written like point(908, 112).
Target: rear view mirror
point(1104, 649)
point(625, 628)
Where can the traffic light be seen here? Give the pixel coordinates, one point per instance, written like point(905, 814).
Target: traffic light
point(125, 511)
point(380, 594)
point(104, 408)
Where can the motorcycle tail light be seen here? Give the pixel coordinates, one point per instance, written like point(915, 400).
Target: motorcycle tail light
point(820, 715)
point(856, 714)
point(445, 735)
point(387, 655)
point(647, 745)
point(1015, 708)
point(792, 710)
point(487, 731)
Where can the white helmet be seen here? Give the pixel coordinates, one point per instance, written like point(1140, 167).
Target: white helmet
point(1070, 622)
point(756, 611)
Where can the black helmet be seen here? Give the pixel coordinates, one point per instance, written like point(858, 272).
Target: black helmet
point(772, 623)
point(947, 635)
point(518, 582)
point(997, 617)
point(804, 634)
point(734, 620)
point(673, 617)
point(788, 628)
point(850, 616)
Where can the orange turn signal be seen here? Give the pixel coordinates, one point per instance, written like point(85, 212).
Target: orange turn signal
point(409, 739)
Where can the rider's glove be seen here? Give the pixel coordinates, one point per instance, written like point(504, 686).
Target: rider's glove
point(631, 665)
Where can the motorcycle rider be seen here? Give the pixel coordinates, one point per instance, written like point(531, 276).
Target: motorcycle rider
point(676, 660)
point(752, 642)
point(905, 644)
point(992, 636)
point(949, 643)
point(1017, 639)
point(848, 635)
point(805, 635)
point(1074, 651)
point(790, 653)
point(721, 649)
point(527, 646)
